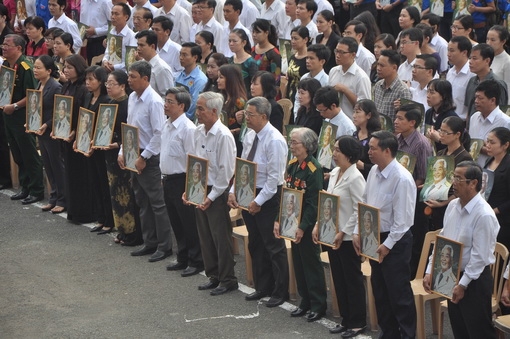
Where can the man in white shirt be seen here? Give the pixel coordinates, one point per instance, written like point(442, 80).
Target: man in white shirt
point(391, 188)
point(410, 46)
point(424, 70)
point(249, 14)
point(96, 15)
point(147, 4)
point(119, 18)
point(364, 58)
point(177, 141)
point(327, 103)
point(210, 24)
point(471, 220)
point(232, 10)
point(162, 76)
point(180, 18)
point(322, 5)
point(214, 142)
point(167, 49)
point(438, 42)
point(348, 78)
point(459, 49)
point(292, 21)
point(142, 19)
point(145, 111)
point(305, 10)
point(266, 146)
point(60, 20)
point(274, 11)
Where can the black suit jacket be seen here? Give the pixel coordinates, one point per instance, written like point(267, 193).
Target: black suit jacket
point(500, 194)
point(51, 88)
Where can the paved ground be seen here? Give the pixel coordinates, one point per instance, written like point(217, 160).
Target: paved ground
point(58, 280)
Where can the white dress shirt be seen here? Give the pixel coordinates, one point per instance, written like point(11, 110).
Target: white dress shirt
point(217, 146)
point(149, 6)
point(170, 54)
point(216, 29)
point(475, 225)
point(405, 72)
point(441, 46)
point(501, 66)
point(393, 191)
point(249, 14)
point(96, 13)
point(365, 59)
point(312, 31)
point(177, 141)
point(182, 23)
point(128, 39)
point(162, 76)
point(344, 123)
point(420, 95)
point(186, 5)
point(322, 5)
point(276, 14)
point(69, 26)
point(459, 83)
point(289, 25)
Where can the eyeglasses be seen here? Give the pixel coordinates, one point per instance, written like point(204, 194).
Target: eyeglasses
point(337, 51)
point(407, 42)
point(458, 179)
point(111, 84)
point(443, 132)
point(322, 110)
point(419, 67)
point(169, 101)
point(250, 114)
point(456, 28)
point(293, 142)
point(4, 46)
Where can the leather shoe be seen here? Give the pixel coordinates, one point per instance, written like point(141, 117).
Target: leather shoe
point(274, 301)
point(313, 316)
point(337, 329)
point(350, 333)
point(190, 270)
point(224, 289)
point(298, 312)
point(159, 255)
point(19, 196)
point(143, 251)
point(31, 199)
point(256, 295)
point(103, 231)
point(209, 285)
point(176, 266)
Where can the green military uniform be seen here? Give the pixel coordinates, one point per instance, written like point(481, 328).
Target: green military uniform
point(22, 145)
point(308, 177)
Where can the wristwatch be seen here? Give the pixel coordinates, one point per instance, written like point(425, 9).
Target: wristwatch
point(15, 106)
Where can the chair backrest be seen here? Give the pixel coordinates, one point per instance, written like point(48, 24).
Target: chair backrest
point(287, 110)
point(96, 60)
point(430, 240)
point(498, 268)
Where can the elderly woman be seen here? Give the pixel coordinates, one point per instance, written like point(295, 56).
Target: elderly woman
point(305, 173)
point(348, 183)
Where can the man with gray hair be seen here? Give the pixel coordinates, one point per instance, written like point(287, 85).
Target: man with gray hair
point(214, 141)
point(145, 111)
point(265, 145)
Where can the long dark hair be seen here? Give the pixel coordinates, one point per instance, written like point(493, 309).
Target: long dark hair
point(234, 86)
point(368, 107)
point(79, 64)
point(329, 16)
point(264, 25)
point(49, 64)
point(267, 83)
point(100, 74)
point(244, 37)
point(310, 85)
point(457, 125)
point(444, 88)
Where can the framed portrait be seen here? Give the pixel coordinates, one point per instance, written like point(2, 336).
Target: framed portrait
point(244, 129)
point(34, 110)
point(84, 130)
point(437, 7)
point(82, 28)
point(245, 185)
point(130, 56)
point(386, 123)
point(7, 76)
point(327, 138)
point(407, 160)
point(461, 8)
point(505, 108)
point(327, 217)
point(115, 49)
point(369, 223)
point(416, 3)
point(286, 53)
point(130, 146)
point(439, 178)
point(487, 183)
point(475, 147)
point(196, 179)
point(62, 116)
point(105, 125)
point(21, 10)
point(420, 106)
point(446, 264)
point(291, 206)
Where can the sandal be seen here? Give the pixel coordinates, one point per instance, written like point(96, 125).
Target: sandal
point(58, 209)
point(47, 207)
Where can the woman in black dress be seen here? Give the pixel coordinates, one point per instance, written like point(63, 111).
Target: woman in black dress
point(330, 34)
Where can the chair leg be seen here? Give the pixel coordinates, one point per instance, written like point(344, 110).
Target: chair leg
point(372, 312)
point(420, 318)
point(334, 299)
point(249, 267)
point(292, 275)
point(435, 308)
point(235, 245)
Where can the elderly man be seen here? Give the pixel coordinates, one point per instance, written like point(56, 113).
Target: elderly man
point(445, 279)
point(470, 219)
point(328, 229)
point(214, 142)
point(438, 190)
point(265, 145)
point(289, 223)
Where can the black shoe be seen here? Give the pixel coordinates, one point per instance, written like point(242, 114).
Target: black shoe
point(313, 316)
point(352, 333)
point(209, 285)
point(19, 196)
point(256, 295)
point(143, 251)
point(97, 228)
point(31, 199)
point(160, 255)
point(337, 329)
point(224, 289)
point(190, 270)
point(5, 186)
point(103, 231)
point(298, 312)
point(176, 266)
point(274, 301)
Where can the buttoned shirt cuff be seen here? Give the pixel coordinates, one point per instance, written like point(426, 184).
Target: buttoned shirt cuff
point(389, 243)
point(146, 154)
point(259, 201)
point(465, 280)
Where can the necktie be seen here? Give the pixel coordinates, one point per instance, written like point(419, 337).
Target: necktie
point(251, 155)
point(440, 278)
point(193, 190)
point(366, 243)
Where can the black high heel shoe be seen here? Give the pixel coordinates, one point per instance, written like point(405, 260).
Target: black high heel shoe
point(103, 231)
point(97, 228)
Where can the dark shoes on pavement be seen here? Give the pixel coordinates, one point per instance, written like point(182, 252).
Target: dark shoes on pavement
point(298, 312)
point(143, 251)
point(176, 266)
point(350, 333)
point(31, 199)
point(274, 301)
point(256, 295)
point(224, 289)
point(19, 196)
point(160, 255)
point(190, 270)
point(209, 285)
point(313, 316)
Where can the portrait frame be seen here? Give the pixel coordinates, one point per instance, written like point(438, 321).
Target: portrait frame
point(116, 57)
point(487, 183)
point(421, 107)
point(325, 153)
point(442, 188)
point(286, 52)
point(369, 242)
point(407, 160)
point(134, 152)
point(475, 147)
point(30, 94)
point(130, 56)
point(6, 93)
point(386, 123)
point(82, 30)
point(196, 190)
point(68, 116)
point(241, 197)
point(288, 225)
point(324, 236)
point(82, 134)
point(456, 261)
point(99, 137)
point(21, 10)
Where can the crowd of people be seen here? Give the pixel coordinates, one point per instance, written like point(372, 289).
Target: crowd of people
point(204, 78)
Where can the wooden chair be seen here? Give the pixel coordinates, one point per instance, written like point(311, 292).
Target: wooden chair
point(287, 110)
point(292, 275)
point(235, 215)
point(283, 86)
point(334, 299)
point(14, 173)
point(497, 269)
point(372, 312)
point(241, 233)
point(502, 324)
point(98, 59)
point(420, 295)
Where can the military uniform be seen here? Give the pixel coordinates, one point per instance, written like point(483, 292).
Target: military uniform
point(308, 177)
point(23, 146)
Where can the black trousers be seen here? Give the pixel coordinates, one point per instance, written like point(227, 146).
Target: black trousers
point(472, 316)
point(394, 300)
point(182, 218)
point(54, 166)
point(5, 159)
point(102, 201)
point(269, 254)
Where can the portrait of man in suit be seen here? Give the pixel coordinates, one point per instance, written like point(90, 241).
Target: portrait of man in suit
point(327, 224)
point(115, 47)
point(6, 85)
point(244, 194)
point(196, 190)
point(84, 132)
point(369, 242)
point(445, 279)
point(325, 152)
point(129, 149)
point(33, 112)
point(439, 187)
point(289, 221)
point(104, 128)
point(62, 125)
